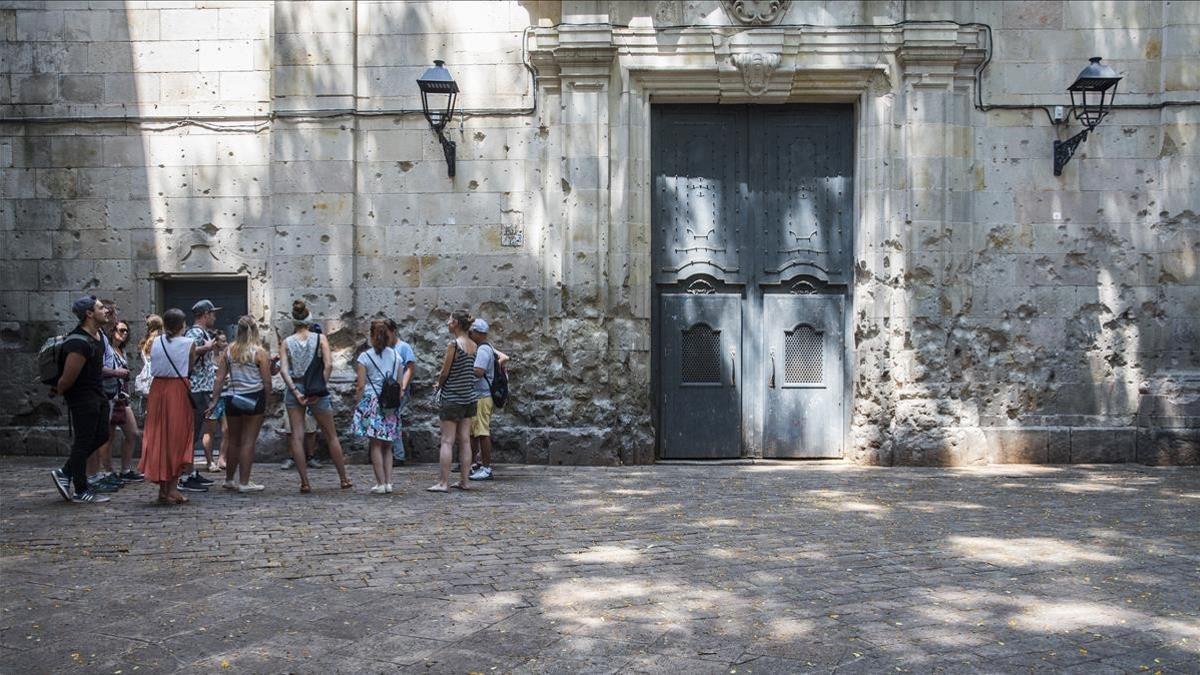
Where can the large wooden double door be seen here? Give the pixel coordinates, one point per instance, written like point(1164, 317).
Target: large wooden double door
point(752, 224)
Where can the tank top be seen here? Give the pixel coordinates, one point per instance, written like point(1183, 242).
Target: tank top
point(301, 354)
point(164, 352)
point(460, 384)
point(244, 378)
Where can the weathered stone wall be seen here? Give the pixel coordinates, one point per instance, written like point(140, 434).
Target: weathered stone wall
point(1000, 313)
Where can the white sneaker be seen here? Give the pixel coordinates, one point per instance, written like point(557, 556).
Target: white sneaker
point(379, 490)
point(251, 487)
point(388, 488)
point(229, 485)
point(482, 473)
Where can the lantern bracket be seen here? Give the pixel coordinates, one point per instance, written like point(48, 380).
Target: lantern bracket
point(449, 149)
point(1065, 150)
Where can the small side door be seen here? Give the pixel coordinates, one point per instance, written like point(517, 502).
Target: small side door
point(700, 413)
point(803, 342)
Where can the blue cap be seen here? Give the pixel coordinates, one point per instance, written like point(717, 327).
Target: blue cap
point(81, 306)
point(315, 327)
point(479, 326)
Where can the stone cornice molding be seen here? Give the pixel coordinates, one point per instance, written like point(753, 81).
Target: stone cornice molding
point(766, 65)
point(580, 54)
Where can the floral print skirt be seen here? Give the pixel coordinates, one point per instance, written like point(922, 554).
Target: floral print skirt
point(372, 422)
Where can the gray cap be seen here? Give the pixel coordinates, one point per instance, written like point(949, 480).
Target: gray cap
point(204, 306)
point(479, 326)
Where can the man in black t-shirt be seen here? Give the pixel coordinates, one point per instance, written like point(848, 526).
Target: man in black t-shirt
point(81, 385)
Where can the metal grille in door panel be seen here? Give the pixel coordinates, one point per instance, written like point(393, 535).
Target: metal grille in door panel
point(701, 356)
point(803, 356)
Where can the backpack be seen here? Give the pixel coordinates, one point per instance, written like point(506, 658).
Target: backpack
point(498, 383)
point(51, 358)
point(390, 395)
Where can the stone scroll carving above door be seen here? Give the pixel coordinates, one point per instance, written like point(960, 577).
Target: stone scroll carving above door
point(755, 12)
point(756, 69)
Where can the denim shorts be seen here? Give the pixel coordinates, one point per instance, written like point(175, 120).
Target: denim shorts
point(325, 403)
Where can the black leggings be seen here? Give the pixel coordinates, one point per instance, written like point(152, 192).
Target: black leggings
point(89, 422)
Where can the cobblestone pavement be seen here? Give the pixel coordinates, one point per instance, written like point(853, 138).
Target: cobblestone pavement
point(766, 568)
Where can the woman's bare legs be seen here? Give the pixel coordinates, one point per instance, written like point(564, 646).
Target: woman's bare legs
point(324, 420)
point(296, 441)
point(221, 463)
point(251, 425)
point(233, 429)
point(445, 454)
point(206, 439)
point(376, 450)
point(133, 436)
point(463, 432)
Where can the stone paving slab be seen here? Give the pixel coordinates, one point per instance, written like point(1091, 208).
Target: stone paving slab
point(760, 568)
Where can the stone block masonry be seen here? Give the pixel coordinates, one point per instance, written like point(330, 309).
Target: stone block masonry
point(997, 314)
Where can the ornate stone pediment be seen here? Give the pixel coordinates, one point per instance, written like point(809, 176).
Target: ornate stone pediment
point(755, 12)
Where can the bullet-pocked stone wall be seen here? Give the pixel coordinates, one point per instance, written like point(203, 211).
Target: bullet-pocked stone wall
point(999, 313)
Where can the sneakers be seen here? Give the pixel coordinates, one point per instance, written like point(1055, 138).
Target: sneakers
point(105, 484)
point(190, 484)
point(251, 487)
point(482, 473)
point(313, 463)
point(229, 485)
point(88, 497)
point(62, 482)
point(387, 487)
point(288, 463)
point(379, 490)
point(201, 479)
point(131, 476)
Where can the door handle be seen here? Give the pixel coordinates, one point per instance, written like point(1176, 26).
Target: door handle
point(733, 366)
point(771, 382)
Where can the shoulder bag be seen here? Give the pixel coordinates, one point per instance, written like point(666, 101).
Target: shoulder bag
point(313, 381)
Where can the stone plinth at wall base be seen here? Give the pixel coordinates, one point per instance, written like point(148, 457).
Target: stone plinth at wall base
point(1060, 445)
point(44, 441)
point(571, 446)
point(1168, 419)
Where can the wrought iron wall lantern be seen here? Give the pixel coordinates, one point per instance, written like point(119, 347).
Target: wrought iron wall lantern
point(1095, 87)
point(439, 92)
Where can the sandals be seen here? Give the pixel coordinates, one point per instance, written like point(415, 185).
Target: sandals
point(346, 484)
point(457, 485)
point(435, 488)
point(305, 488)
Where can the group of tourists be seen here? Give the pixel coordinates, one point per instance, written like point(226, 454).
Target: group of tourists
point(197, 382)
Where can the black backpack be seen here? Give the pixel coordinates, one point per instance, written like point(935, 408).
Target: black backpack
point(390, 395)
point(498, 382)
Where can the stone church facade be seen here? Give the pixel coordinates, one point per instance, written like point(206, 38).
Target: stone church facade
point(702, 228)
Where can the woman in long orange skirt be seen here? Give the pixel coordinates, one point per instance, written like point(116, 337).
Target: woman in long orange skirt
point(167, 439)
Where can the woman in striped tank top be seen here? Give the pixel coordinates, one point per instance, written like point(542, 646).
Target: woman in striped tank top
point(456, 401)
